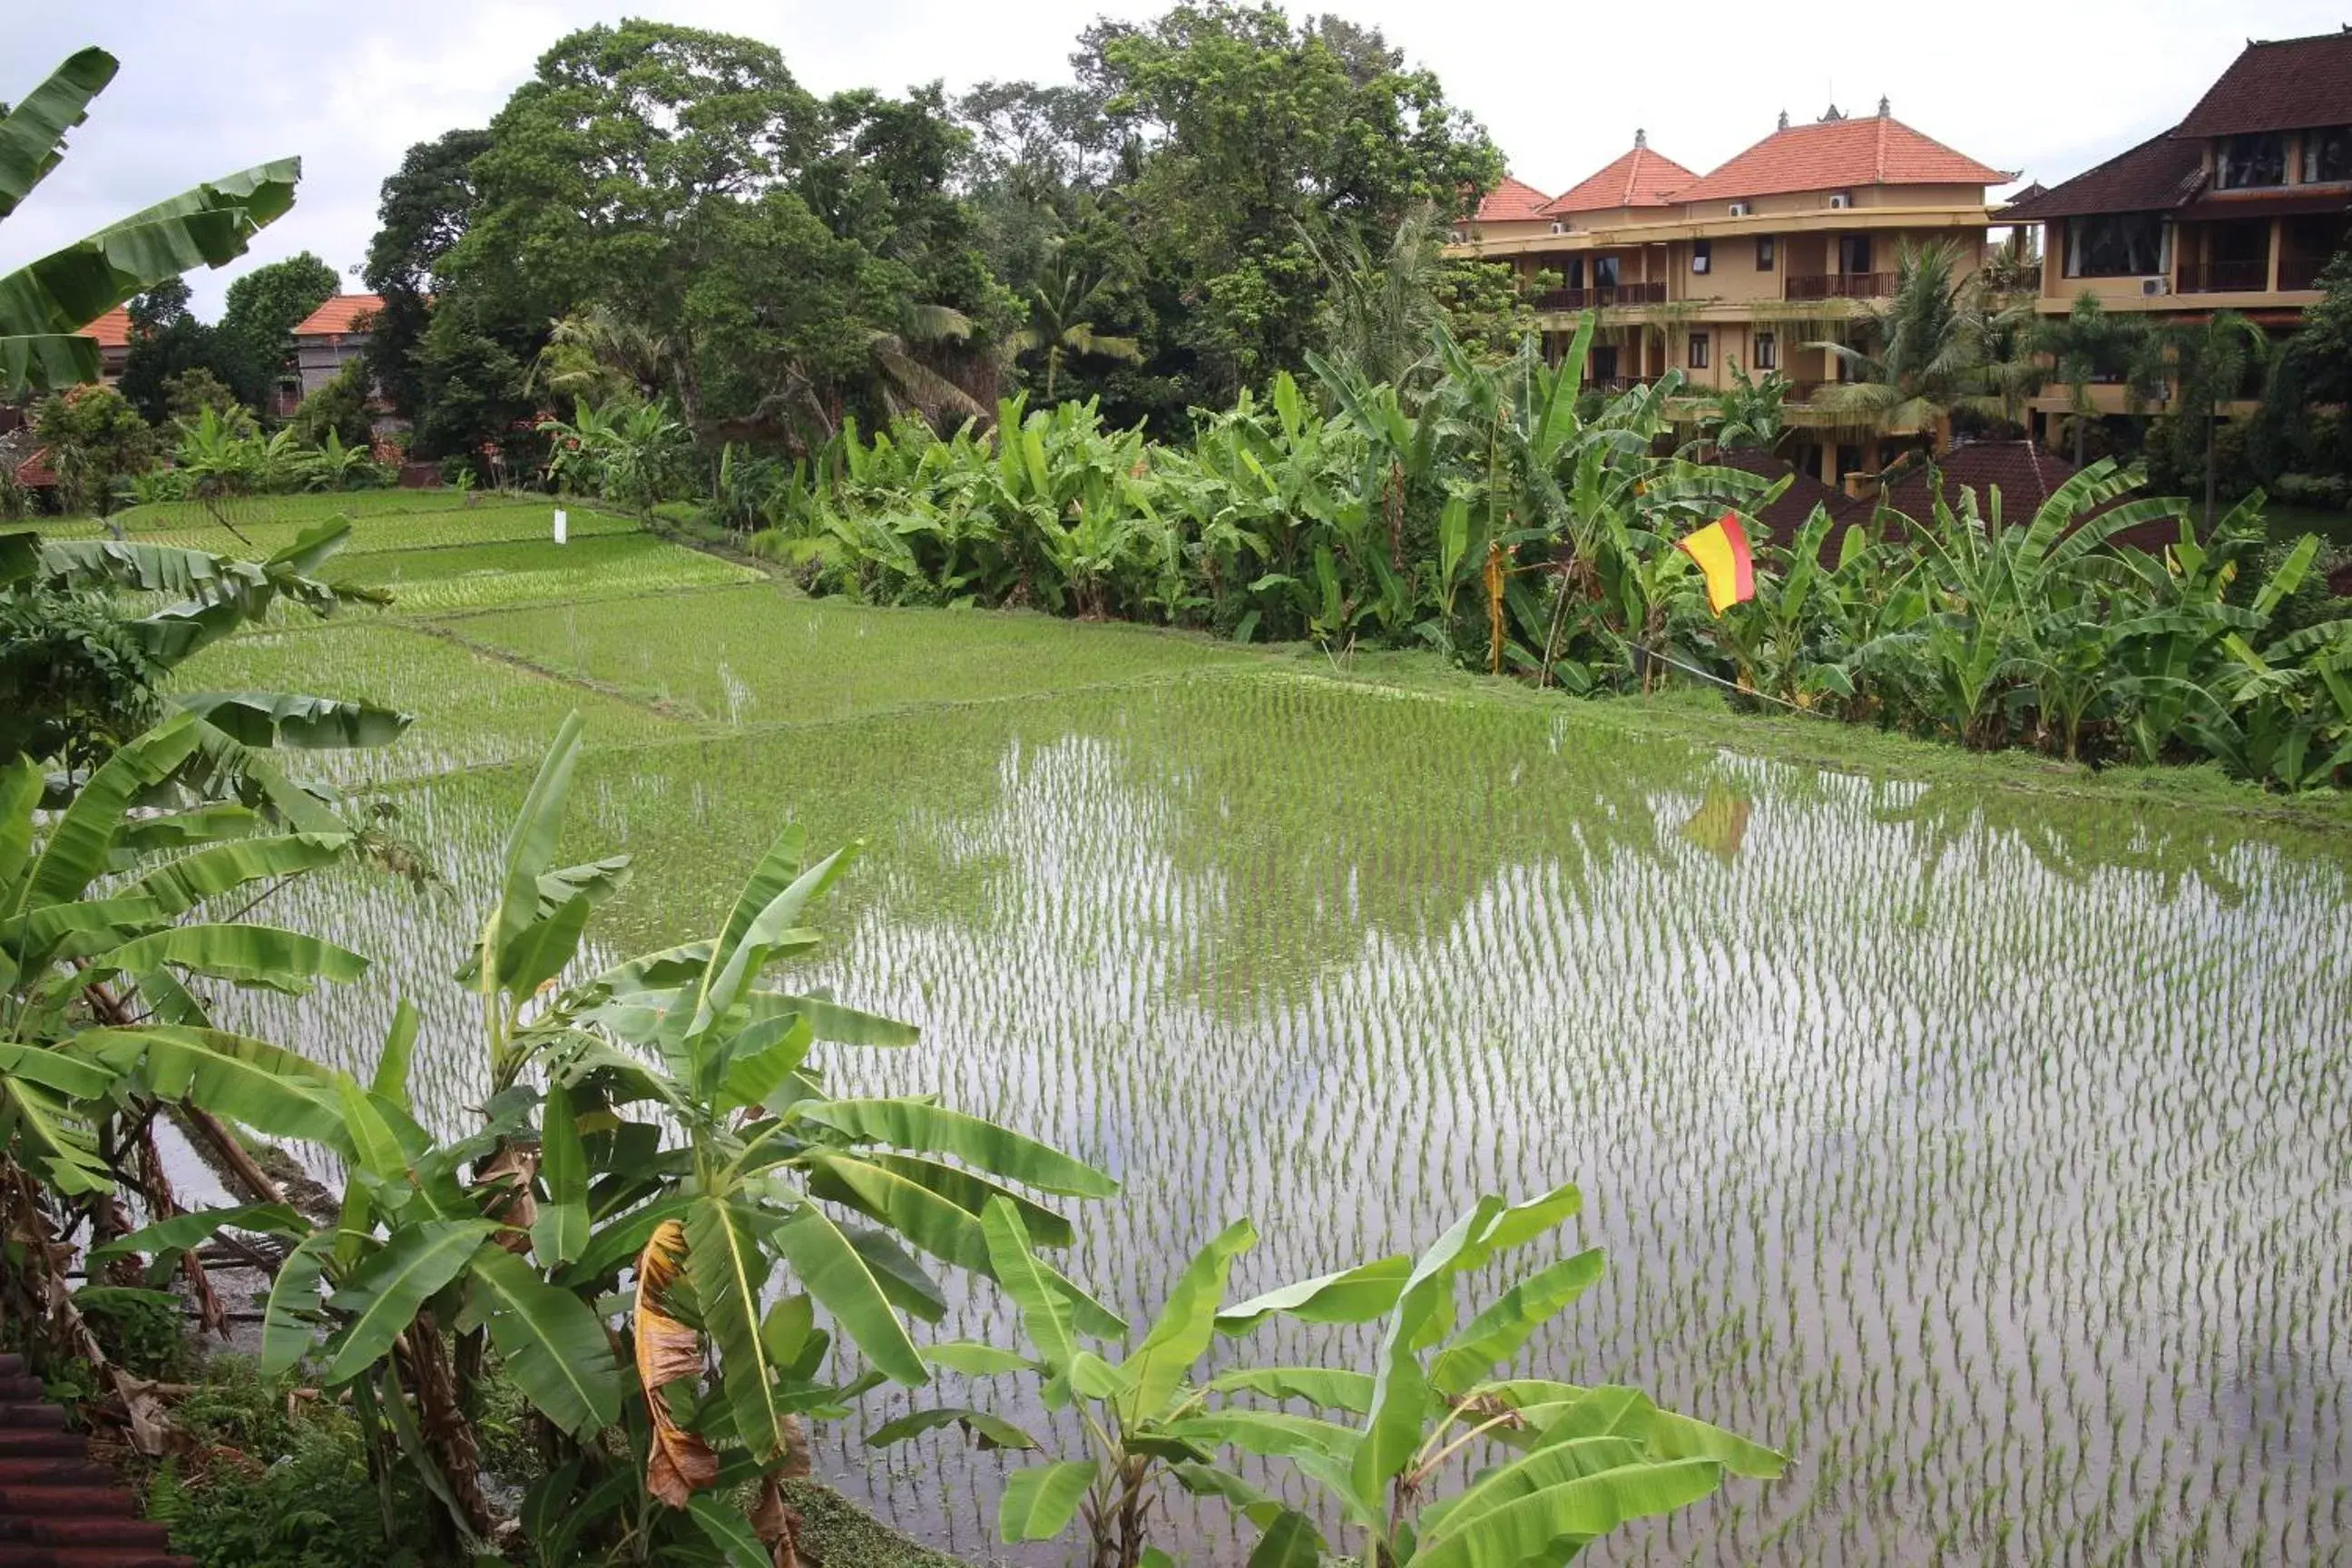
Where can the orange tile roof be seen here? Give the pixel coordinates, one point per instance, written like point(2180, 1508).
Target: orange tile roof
point(1832, 154)
point(112, 329)
point(340, 314)
point(1642, 178)
point(1513, 201)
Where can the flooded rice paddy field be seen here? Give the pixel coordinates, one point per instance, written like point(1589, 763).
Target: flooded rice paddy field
point(1987, 1152)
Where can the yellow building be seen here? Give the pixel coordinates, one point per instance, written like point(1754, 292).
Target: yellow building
point(2237, 207)
point(1748, 265)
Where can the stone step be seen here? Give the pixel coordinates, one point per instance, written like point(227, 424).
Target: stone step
point(69, 1502)
point(31, 1413)
point(20, 1386)
point(41, 1442)
point(117, 1526)
point(11, 1365)
point(14, 1555)
point(54, 1472)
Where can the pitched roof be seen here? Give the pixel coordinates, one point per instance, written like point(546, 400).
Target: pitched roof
point(2024, 473)
point(2160, 174)
point(1641, 178)
point(1832, 154)
point(1795, 506)
point(112, 329)
point(339, 314)
point(1513, 201)
point(2282, 85)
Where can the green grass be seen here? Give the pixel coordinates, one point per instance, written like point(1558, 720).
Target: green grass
point(758, 655)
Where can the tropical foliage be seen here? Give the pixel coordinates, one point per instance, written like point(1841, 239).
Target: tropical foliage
point(45, 304)
point(1495, 514)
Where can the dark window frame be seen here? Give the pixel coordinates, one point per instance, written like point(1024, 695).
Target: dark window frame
point(2249, 158)
point(1697, 350)
point(1848, 245)
point(1768, 255)
point(1702, 256)
point(1767, 351)
point(2114, 245)
point(1609, 266)
point(2337, 142)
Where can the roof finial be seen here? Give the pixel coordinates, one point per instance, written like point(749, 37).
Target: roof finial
point(1784, 120)
point(1882, 111)
point(1831, 114)
point(1641, 138)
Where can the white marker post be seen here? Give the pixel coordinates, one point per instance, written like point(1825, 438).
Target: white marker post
point(562, 525)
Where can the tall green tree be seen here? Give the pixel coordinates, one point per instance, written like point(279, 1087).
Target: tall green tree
point(422, 212)
point(2090, 345)
point(1062, 305)
point(2214, 363)
point(1241, 127)
point(1918, 357)
point(167, 343)
point(259, 316)
point(45, 304)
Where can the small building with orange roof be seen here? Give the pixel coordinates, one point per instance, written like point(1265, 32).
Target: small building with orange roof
point(113, 331)
point(1512, 210)
point(325, 340)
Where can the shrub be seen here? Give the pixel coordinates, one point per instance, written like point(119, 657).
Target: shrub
point(140, 1330)
point(2312, 489)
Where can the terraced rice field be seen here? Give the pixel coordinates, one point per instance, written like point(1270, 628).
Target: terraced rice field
point(1986, 1151)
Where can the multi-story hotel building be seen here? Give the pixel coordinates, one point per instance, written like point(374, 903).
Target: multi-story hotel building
point(1748, 266)
point(2237, 207)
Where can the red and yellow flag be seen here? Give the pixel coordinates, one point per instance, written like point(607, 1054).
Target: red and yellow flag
point(1720, 550)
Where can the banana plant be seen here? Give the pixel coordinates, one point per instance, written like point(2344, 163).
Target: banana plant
point(662, 1118)
point(1562, 1464)
point(1134, 1410)
point(45, 304)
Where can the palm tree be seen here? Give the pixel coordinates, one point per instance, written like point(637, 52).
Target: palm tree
point(2211, 360)
point(596, 354)
point(907, 370)
point(1926, 355)
point(1381, 308)
point(1059, 304)
point(2089, 343)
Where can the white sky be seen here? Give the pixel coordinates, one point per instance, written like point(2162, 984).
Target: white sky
point(211, 86)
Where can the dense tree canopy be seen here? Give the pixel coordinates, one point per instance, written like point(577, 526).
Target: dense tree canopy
point(789, 261)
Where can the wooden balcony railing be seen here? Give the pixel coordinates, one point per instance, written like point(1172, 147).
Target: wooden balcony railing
point(1603, 297)
point(1840, 285)
point(2248, 276)
point(2300, 271)
point(1612, 383)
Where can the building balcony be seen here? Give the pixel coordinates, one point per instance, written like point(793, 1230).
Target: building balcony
point(1841, 286)
point(2301, 271)
point(2251, 275)
point(1605, 296)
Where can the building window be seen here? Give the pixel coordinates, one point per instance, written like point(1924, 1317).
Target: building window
point(1572, 272)
point(1768, 352)
point(1765, 259)
point(1854, 253)
point(2328, 155)
point(1849, 460)
point(1699, 351)
point(2256, 160)
point(2114, 245)
point(1604, 272)
point(1701, 254)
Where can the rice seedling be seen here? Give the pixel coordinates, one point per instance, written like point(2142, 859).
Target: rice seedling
point(1985, 1152)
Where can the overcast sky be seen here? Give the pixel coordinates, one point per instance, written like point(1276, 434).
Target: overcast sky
point(210, 86)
